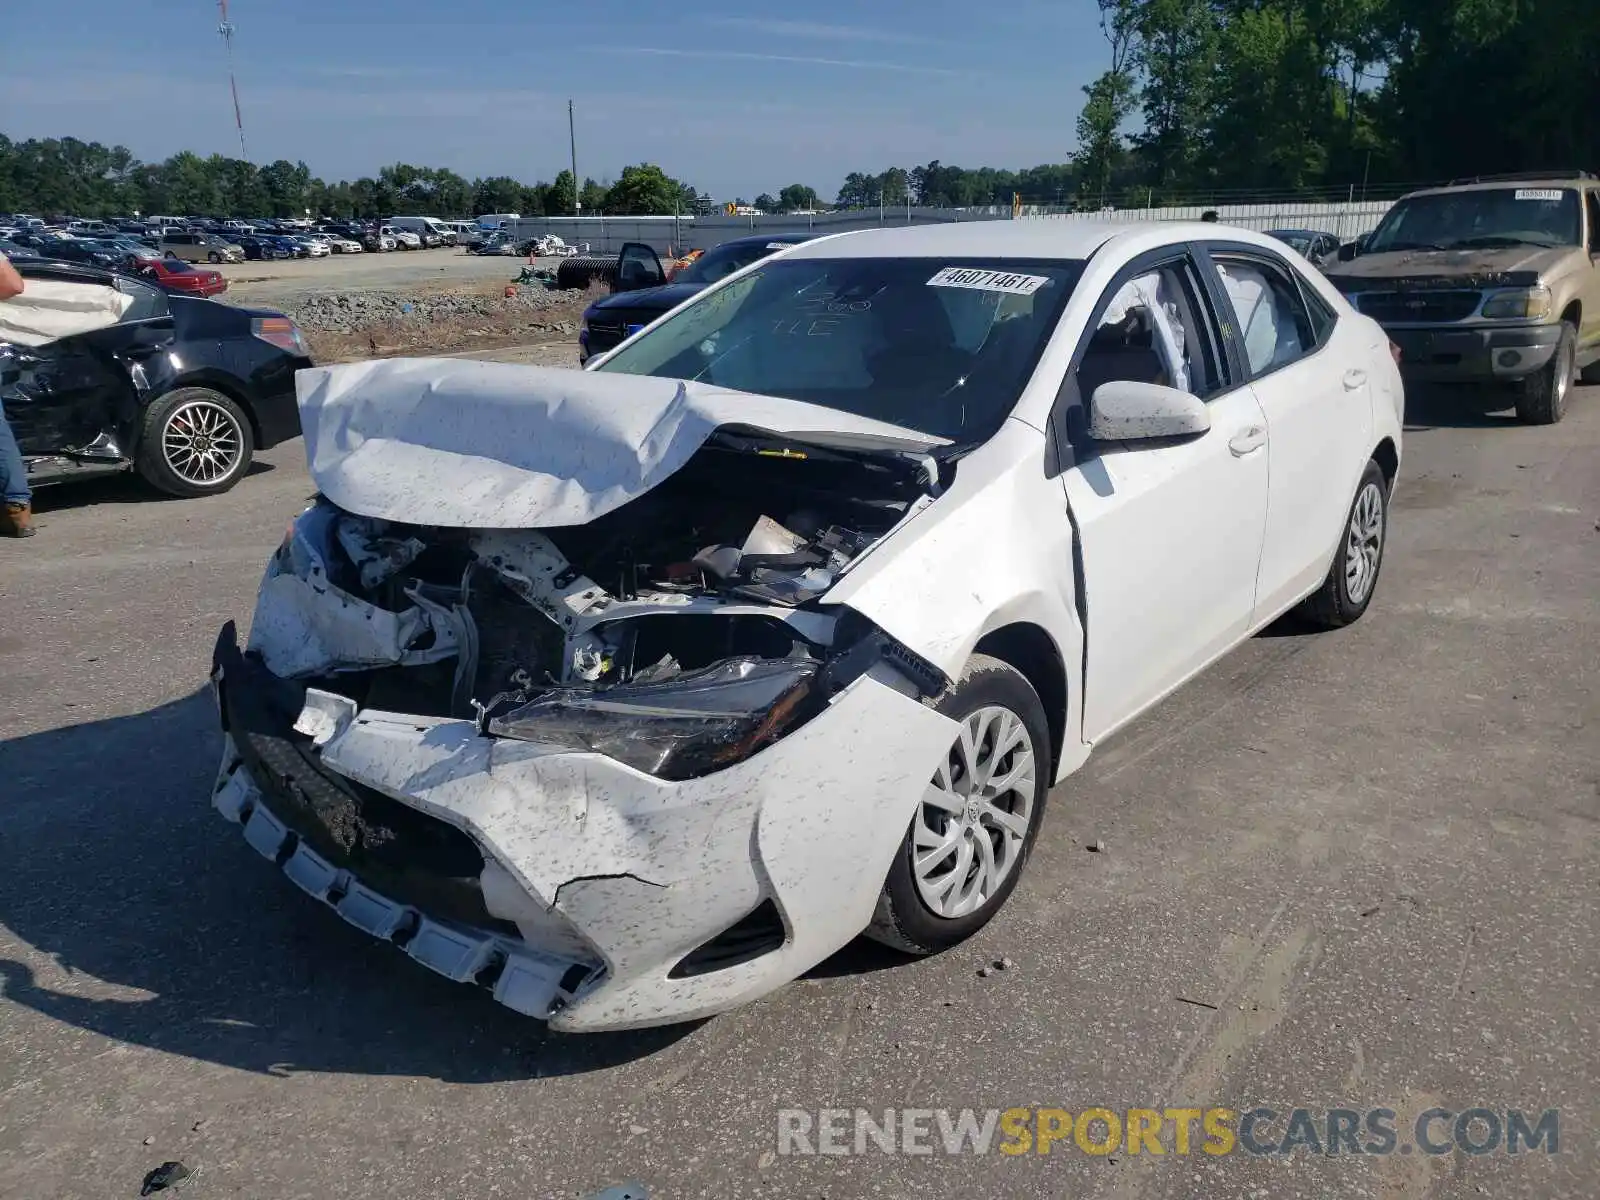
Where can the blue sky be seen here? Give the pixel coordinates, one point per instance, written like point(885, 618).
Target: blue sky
point(736, 99)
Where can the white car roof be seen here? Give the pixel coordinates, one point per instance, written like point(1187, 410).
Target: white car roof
point(1044, 238)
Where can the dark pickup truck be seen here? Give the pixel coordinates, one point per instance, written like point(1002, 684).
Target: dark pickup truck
point(641, 291)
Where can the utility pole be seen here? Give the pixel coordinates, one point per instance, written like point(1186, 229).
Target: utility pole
point(226, 30)
point(572, 139)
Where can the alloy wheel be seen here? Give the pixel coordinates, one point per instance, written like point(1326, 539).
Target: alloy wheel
point(972, 825)
point(1364, 543)
point(202, 442)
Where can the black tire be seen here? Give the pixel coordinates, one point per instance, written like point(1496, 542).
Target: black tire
point(151, 459)
point(168, 254)
point(213, 258)
point(903, 918)
point(1542, 397)
point(1590, 374)
point(1332, 606)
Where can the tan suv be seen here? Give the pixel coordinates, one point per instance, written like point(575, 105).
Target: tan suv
point(1492, 280)
point(199, 247)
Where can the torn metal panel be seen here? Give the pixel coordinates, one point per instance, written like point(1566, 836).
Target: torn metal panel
point(464, 444)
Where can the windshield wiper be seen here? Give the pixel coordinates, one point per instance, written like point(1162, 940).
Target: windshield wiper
point(1505, 239)
point(1407, 246)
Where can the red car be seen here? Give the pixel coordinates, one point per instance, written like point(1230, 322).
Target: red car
point(178, 276)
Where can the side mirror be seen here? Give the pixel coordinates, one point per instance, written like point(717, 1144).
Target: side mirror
point(1125, 411)
point(1347, 252)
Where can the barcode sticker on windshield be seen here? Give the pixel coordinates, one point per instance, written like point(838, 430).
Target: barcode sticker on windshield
point(1538, 193)
point(782, 245)
point(989, 281)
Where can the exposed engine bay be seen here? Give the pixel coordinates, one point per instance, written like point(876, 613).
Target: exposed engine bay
point(677, 633)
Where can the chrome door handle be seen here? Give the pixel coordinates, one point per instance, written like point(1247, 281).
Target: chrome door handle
point(1354, 379)
point(1248, 441)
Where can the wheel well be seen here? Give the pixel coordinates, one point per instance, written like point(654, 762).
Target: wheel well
point(1574, 314)
point(1031, 651)
point(1388, 460)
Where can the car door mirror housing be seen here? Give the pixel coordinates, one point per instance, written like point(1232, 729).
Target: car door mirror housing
point(1127, 411)
point(1347, 252)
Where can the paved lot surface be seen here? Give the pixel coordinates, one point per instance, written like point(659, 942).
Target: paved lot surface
point(280, 281)
point(1374, 853)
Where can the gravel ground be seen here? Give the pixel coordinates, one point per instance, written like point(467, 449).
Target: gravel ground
point(1349, 870)
point(281, 282)
point(415, 302)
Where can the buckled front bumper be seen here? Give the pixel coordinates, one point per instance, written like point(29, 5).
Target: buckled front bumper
point(612, 877)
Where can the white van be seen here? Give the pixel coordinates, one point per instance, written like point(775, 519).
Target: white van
point(420, 226)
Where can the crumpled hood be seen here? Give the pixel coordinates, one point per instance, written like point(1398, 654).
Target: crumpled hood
point(484, 445)
point(1481, 266)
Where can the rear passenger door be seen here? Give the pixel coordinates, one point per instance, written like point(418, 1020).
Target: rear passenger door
point(1309, 372)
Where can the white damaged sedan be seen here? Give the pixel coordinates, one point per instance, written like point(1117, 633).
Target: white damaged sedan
point(632, 693)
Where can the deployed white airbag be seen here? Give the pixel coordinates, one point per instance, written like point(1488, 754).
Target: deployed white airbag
point(497, 445)
point(51, 308)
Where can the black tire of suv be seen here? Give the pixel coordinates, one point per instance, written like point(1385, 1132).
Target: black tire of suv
point(1590, 374)
point(902, 920)
point(1542, 397)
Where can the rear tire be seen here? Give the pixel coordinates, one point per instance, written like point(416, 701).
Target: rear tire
point(1353, 577)
point(1542, 397)
point(970, 859)
point(1590, 374)
point(194, 442)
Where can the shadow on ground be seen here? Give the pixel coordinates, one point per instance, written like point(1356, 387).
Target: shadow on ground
point(1439, 407)
point(124, 487)
point(115, 867)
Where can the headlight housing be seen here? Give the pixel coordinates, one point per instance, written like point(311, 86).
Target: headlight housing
point(1520, 304)
point(680, 728)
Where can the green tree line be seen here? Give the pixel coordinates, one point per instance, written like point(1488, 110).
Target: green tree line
point(1202, 98)
point(87, 179)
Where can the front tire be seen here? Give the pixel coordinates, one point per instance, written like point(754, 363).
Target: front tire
point(1353, 578)
point(1542, 397)
point(195, 442)
point(213, 258)
point(976, 824)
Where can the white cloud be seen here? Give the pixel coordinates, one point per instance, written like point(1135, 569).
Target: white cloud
point(805, 60)
point(816, 30)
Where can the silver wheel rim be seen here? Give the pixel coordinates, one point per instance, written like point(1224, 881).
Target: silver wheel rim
point(202, 442)
point(973, 821)
point(1364, 546)
point(1565, 368)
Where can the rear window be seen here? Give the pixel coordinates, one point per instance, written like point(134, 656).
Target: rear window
point(936, 345)
point(718, 264)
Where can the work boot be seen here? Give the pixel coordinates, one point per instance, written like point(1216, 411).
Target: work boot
point(16, 520)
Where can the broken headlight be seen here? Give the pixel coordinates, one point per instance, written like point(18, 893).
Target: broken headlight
point(689, 725)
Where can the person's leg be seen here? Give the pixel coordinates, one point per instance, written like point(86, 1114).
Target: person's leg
point(16, 501)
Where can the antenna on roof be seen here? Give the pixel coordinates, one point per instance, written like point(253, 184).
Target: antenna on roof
point(226, 30)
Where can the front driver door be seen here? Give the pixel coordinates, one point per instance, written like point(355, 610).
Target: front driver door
point(1170, 531)
point(638, 266)
point(61, 395)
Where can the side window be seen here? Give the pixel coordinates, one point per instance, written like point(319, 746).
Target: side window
point(1155, 329)
point(1593, 199)
point(1272, 317)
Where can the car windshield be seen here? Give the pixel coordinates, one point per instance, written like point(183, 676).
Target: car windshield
point(1296, 241)
point(937, 345)
point(1481, 218)
point(725, 260)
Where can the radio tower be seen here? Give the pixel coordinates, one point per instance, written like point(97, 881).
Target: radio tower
point(226, 30)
